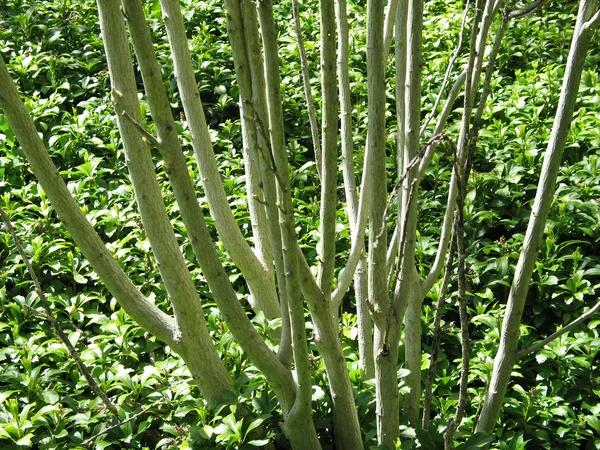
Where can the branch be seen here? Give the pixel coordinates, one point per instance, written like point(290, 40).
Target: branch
point(388, 28)
point(437, 334)
point(50, 316)
point(453, 59)
point(442, 120)
point(593, 22)
point(200, 239)
point(481, 22)
point(454, 423)
point(149, 138)
point(172, 266)
point(312, 115)
point(526, 10)
point(267, 153)
point(326, 247)
point(243, 33)
point(227, 227)
point(509, 337)
point(346, 115)
point(536, 347)
point(358, 241)
point(120, 286)
point(434, 140)
point(89, 441)
point(404, 229)
point(392, 250)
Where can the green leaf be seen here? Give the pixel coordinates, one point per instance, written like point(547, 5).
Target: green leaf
point(25, 441)
point(478, 440)
point(258, 442)
point(80, 279)
point(102, 444)
point(594, 422)
point(254, 424)
point(50, 396)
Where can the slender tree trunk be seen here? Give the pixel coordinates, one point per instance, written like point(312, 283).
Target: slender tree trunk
point(411, 149)
point(194, 339)
point(259, 281)
point(365, 322)
point(386, 355)
point(506, 356)
point(329, 133)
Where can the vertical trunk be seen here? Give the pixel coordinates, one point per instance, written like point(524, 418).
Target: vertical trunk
point(411, 148)
point(347, 426)
point(506, 356)
point(386, 356)
point(329, 124)
point(298, 416)
point(346, 419)
point(386, 381)
point(254, 121)
point(365, 322)
point(212, 376)
point(259, 281)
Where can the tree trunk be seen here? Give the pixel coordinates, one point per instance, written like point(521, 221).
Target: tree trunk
point(509, 339)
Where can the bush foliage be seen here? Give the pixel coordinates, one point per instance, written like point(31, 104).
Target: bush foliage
point(56, 57)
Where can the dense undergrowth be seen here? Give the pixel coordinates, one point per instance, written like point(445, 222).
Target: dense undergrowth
point(56, 57)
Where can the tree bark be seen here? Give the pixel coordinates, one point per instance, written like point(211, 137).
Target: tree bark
point(259, 282)
point(507, 351)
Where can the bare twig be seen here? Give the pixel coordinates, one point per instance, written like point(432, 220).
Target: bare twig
point(526, 10)
point(464, 318)
point(50, 317)
point(437, 330)
point(145, 133)
point(433, 141)
point(463, 173)
point(453, 59)
point(312, 115)
point(536, 347)
point(89, 441)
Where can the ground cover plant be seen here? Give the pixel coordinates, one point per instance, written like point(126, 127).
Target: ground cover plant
point(270, 369)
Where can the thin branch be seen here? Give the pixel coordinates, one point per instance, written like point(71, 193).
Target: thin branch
point(536, 347)
point(442, 120)
point(358, 241)
point(437, 333)
point(393, 249)
point(312, 115)
point(526, 10)
point(145, 134)
point(395, 190)
point(89, 441)
point(388, 28)
point(404, 229)
point(464, 318)
point(48, 315)
point(485, 90)
point(453, 59)
point(593, 22)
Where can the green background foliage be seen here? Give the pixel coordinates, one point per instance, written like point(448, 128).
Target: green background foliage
point(55, 55)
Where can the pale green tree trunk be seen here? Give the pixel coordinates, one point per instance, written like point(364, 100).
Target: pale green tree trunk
point(587, 21)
